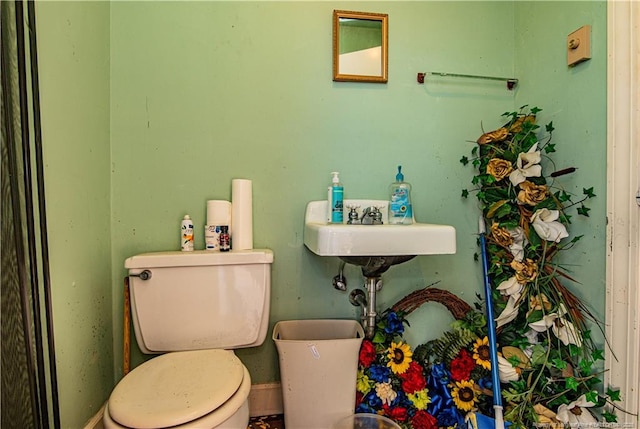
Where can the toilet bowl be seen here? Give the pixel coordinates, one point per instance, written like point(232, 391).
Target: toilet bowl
point(192, 309)
point(202, 389)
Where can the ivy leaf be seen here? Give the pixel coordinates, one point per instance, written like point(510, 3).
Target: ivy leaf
point(588, 192)
point(550, 148)
point(571, 383)
point(474, 151)
point(591, 396)
point(464, 160)
point(562, 196)
point(559, 363)
point(465, 193)
point(549, 127)
point(576, 239)
point(597, 354)
point(574, 350)
point(585, 366)
point(584, 211)
point(614, 395)
point(609, 417)
point(539, 355)
point(534, 110)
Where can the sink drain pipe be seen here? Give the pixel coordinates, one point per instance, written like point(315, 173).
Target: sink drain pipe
point(368, 304)
point(374, 284)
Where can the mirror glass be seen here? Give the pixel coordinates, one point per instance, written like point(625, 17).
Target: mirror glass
point(360, 46)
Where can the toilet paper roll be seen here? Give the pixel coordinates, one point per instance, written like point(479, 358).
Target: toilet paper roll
point(241, 214)
point(218, 212)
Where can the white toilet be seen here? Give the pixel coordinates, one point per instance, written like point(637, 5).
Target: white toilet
point(193, 307)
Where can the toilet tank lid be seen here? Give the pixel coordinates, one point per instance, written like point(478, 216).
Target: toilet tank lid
point(199, 258)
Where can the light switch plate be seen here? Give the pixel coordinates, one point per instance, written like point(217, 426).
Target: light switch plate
point(579, 45)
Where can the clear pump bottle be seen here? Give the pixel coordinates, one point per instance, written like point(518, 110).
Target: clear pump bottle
point(400, 210)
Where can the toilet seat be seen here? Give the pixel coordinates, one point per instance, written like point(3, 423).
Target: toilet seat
point(181, 388)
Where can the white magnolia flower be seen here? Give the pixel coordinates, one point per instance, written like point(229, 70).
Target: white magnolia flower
point(527, 166)
point(546, 224)
point(576, 414)
point(517, 246)
point(561, 327)
point(385, 392)
point(510, 287)
point(510, 311)
point(507, 371)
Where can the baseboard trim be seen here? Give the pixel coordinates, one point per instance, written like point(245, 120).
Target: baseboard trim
point(265, 399)
point(95, 422)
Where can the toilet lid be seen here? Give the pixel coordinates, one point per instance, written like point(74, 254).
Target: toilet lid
point(175, 388)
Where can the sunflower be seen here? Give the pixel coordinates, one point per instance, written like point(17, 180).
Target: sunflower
point(399, 357)
point(464, 395)
point(481, 353)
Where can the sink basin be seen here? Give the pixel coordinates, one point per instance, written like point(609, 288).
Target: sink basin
point(349, 241)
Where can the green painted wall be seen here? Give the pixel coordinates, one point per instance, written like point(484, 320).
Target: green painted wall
point(73, 56)
point(200, 93)
point(575, 99)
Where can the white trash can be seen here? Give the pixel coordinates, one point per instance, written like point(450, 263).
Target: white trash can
point(318, 370)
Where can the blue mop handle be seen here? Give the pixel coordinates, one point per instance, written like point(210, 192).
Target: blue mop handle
point(493, 345)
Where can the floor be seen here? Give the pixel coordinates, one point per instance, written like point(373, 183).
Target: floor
point(267, 422)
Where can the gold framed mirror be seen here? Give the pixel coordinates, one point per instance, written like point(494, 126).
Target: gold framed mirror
point(360, 46)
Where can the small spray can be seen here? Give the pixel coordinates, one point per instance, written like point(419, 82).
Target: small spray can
point(186, 234)
point(225, 240)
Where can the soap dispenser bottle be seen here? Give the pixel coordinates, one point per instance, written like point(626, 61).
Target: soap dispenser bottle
point(400, 211)
point(336, 199)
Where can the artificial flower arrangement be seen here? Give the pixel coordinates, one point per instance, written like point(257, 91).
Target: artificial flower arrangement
point(436, 385)
point(548, 364)
point(390, 382)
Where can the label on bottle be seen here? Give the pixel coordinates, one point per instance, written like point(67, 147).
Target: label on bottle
point(225, 240)
point(212, 237)
point(400, 205)
point(337, 193)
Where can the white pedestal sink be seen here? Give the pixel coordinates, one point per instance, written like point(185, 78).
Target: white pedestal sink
point(375, 248)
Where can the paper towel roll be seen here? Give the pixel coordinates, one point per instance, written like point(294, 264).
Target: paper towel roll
point(241, 214)
point(218, 212)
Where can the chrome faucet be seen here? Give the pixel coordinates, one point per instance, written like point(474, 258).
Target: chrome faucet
point(372, 216)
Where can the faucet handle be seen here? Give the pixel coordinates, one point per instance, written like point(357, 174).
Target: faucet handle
point(353, 215)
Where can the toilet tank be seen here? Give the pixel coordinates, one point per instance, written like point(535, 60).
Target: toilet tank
point(200, 299)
